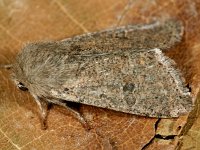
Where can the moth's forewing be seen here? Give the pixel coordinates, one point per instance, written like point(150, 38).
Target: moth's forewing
point(142, 82)
point(159, 34)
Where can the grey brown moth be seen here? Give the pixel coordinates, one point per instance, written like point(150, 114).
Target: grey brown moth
point(122, 69)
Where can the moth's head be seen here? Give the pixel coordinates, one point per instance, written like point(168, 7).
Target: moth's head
point(20, 69)
point(22, 81)
point(21, 85)
point(33, 67)
point(18, 78)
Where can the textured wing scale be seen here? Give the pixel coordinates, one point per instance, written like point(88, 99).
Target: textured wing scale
point(142, 83)
point(155, 35)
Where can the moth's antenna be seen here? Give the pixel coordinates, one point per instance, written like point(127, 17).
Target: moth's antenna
point(126, 9)
point(8, 66)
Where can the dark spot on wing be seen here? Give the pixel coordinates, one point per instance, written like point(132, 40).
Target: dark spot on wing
point(129, 87)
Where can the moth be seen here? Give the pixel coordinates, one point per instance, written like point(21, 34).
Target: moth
point(121, 69)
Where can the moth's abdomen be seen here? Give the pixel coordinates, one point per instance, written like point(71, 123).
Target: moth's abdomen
point(143, 83)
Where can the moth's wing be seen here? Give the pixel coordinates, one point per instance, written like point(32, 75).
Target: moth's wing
point(143, 83)
point(159, 34)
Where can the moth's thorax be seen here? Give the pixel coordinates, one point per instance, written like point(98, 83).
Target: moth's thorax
point(39, 67)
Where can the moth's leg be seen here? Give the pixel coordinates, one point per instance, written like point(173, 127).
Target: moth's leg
point(73, 112)
point(78, 116)
point(43, 106)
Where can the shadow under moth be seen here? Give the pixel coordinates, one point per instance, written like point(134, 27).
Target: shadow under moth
point(122, 69)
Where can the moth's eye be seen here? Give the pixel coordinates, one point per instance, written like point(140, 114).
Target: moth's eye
point(22, 87)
